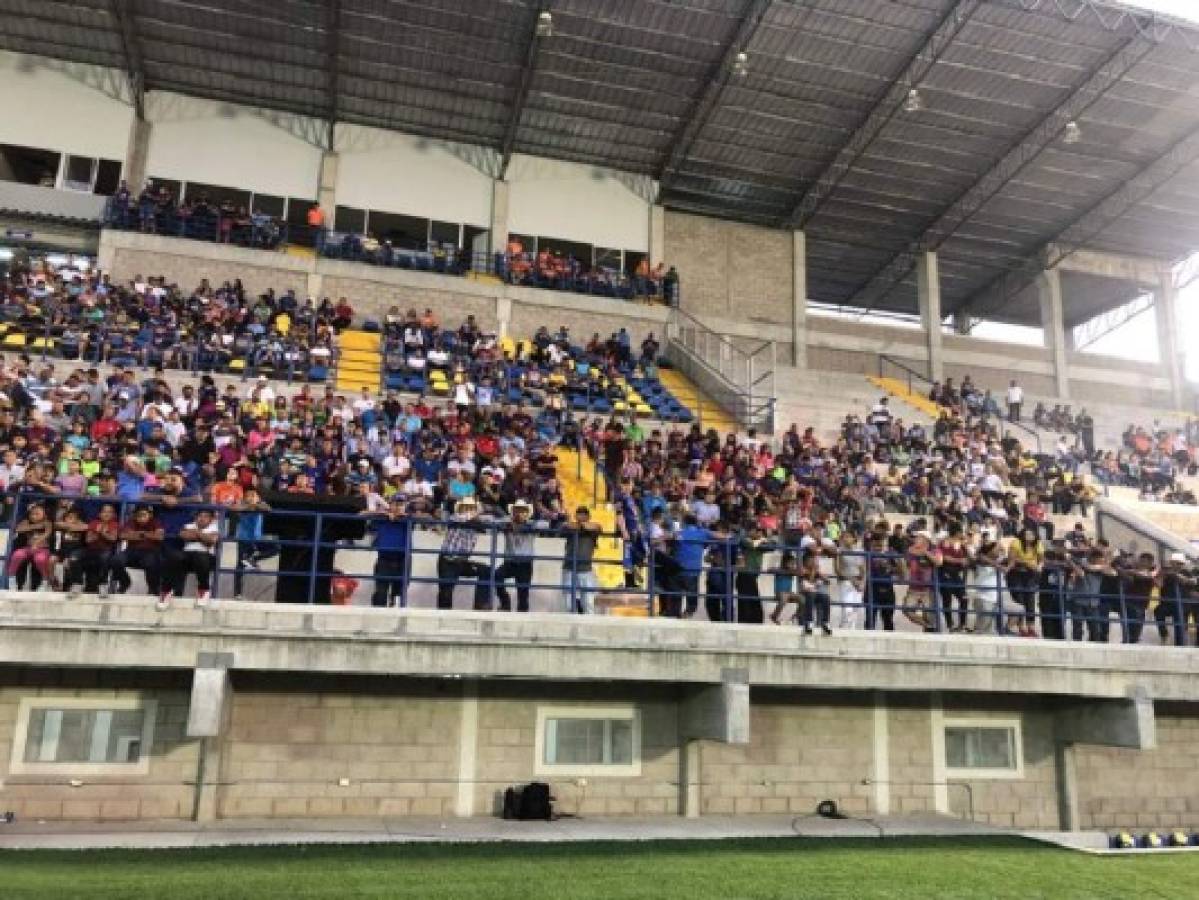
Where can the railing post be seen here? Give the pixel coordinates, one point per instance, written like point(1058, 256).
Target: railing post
point(316, 555)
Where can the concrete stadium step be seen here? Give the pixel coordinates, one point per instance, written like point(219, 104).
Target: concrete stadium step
point(355, 339)
point(359, 362)
point(706, 410)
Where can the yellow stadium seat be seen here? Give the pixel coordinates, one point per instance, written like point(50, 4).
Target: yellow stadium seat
point(237, 365)
point(14, 340)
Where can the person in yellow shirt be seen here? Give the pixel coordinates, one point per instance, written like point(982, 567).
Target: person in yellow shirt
point(1025, 556)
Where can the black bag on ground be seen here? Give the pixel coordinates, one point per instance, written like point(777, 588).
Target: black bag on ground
point(532, 801)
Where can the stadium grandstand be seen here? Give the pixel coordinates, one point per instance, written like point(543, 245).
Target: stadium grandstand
point(401, 402)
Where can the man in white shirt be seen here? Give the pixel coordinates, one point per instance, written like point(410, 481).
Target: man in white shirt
point(1015, 399)
point(199, 536)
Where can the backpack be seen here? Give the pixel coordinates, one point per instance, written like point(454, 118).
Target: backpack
point(532, 801)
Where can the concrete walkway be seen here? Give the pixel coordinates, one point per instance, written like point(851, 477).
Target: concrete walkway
point(32, 835)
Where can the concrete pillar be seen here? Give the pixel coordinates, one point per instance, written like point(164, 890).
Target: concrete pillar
point(326, 187)
point(961, 322)
point(499, 216)
point(137, 153)
point(1066, 773)
point(1167, 336)
point(316, 285)
point(1049, 287)
point(799, 300)
point(503, 315)
point(690, 795)
point(928, 290)
point(657, 235)
point(208, 719)
point(468, 751)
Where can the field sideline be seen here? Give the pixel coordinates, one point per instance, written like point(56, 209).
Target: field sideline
point(960, 868)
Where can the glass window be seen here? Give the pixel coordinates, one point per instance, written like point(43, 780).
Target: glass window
point(350, 220)
point(268, 205)
point(216, 194)
point(608, 258)
point(408, 232)
point(582, 740)
point(108, 177)
point(445, 233)
point(28, 165)
point(981, 747)
point(78, 175)
point(84, 735)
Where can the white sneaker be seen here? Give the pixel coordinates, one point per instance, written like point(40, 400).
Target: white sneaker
point(202, 599)
point(164, 601)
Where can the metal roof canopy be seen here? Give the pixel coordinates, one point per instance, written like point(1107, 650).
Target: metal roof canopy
point(815, 134)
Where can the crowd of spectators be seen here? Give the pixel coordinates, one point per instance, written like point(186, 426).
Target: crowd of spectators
point(110, 472)
point(156, 210)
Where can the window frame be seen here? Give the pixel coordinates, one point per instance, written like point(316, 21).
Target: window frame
point(1013, 725)
point(18, 766)
point(627, 713)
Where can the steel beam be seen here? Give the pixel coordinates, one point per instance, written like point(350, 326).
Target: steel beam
point(332, 69)
point(930, 50)
point(1025, 151)
point(1086, 227)
point(122, 12)
point(508, 144)
point(706, 103)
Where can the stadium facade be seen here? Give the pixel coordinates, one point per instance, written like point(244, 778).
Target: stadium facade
point(247, 711)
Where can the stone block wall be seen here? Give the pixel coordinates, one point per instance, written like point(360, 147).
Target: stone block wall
point(162, 793)
point(286, 752)
point(800, 752)
point(1139, 789)
point(373, 298)
point(730, 269)
point(187, 270)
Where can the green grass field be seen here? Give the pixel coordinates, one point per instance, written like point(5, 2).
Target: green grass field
point(695, 870)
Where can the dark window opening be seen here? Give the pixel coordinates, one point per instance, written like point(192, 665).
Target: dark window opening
point(28, 165)
point(404, 232)
point(350, 220)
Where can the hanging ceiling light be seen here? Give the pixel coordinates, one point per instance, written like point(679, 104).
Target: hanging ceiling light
point(1072, 134)
point(914, 102)
point(545, 24)
point(741, 64)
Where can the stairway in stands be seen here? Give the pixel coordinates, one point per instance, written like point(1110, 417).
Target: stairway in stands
point(583, 484)
point(359, 361)
point(900, 391)
point(707, 411)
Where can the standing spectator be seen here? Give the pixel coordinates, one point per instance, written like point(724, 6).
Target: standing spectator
point(1140, 580)
point(1015, 401)
point(454, 561)
point(1025, 558)
point(578, 578)
point(689, 547)
point(519, 549)
point(393, 543)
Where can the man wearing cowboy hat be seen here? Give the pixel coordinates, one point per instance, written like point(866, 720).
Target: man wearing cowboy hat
point(454, 562)
point(519, 547)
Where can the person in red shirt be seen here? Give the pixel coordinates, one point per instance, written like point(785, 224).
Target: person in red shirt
point(107, 426)
point(343, 315)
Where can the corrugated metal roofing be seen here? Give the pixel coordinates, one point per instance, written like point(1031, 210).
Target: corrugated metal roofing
point(622, 83)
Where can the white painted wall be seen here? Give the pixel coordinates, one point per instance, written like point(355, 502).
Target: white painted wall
point(229, 145)
point(399, 173)
point(576, 202)
point(63, 106)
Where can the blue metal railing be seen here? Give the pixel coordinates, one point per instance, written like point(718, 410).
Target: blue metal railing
point(939, 603)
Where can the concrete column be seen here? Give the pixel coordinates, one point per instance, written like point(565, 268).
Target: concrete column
point(326, 187)
point(136, 154)
point(499, 215)
point(1066, 773)
point(208, 719)
point(657, 234)
point(1049, 287)
point(690, 795)
point(468, 751)
point(928, 290)
point(1167, 336)
point(503, 315)
point(799, 300)
point(316, 285)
